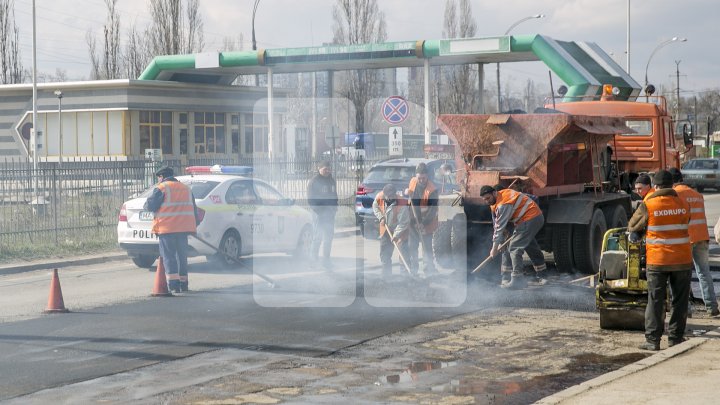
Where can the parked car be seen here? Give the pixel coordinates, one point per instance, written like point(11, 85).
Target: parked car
point(397, 171)
point(240, 215)
point(702, 173)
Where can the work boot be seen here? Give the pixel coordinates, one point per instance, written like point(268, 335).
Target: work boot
point(505, 278)
point(648, 345)
point(673, 342)
point(714, 312)
point(517, 282)
point(539, 278)
point(174, 286)
point(184, 286)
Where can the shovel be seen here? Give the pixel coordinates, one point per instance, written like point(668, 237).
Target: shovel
point(489, 258)
point(264, 277)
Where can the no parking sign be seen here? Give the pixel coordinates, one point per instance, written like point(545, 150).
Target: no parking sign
point(395, 110)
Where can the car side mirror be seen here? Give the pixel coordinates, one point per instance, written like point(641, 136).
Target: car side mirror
point(687, 131)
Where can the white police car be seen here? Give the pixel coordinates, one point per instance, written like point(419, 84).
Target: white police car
point(240, 215)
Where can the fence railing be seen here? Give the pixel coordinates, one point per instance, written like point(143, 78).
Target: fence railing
point(78, 202)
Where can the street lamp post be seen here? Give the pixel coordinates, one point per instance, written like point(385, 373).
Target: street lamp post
point(497, 70)
point(254, 44)
point(657, 48)
point(59, 95)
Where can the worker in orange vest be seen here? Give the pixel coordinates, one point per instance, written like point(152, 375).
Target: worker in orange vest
point(643, 186)
point(516, 211)
point(665, 218)
point(700, 239)
point(394, 218)
point(175, 218)
point(423, 198)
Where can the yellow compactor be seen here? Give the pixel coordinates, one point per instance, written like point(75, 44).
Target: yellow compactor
point(621, 291)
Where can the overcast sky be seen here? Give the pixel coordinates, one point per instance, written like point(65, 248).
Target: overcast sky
point(62, 26)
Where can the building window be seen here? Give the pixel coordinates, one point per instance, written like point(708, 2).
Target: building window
point(156, 131)
point(235, 133)
point(183, 118)
point(248, 134)
point(209, 133)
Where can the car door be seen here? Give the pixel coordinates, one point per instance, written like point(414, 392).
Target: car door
point(241, 195)
point(277, 228)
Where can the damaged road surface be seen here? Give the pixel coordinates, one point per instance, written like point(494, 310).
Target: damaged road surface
point(219, 346)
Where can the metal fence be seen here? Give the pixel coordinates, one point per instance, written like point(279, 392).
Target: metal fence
point(78, 202)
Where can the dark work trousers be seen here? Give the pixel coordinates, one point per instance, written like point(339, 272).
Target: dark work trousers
point(414, 241)
point(523, 241)
point(655, 311)
point(173, 250)
point(324, 232)
point(386, 251)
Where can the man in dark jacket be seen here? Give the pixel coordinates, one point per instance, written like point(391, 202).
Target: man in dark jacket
point(175, 218)
point(322, 198)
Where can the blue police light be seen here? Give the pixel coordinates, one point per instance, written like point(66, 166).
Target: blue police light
point(237, 170)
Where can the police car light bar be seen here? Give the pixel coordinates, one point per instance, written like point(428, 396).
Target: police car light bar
point(219, 169)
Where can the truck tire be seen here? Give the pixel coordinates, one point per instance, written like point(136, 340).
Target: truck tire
point(615, 216)
point(587, 243)
point(562, 248)
point(458, 243)
point(144, 261)
point(442, 245)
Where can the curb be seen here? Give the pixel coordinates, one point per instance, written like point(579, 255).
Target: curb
point(633, 368)
point(47, 265)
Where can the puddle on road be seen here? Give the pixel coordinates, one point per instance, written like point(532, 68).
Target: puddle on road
point(581, 368)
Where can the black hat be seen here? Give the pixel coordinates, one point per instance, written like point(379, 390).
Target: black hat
point(421, 168)
point(676, 174)
point(486, 190)
point(165, 171)
point(663, 179)
point(389, 191)
point(323, 164)
point(643, 179)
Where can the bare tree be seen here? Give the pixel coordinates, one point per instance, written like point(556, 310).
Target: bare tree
point(459, 81)
point(11, 70)
point(359, 22)
point(108, 64)
point(232, 43)
point(137, 55)
point(171, 32)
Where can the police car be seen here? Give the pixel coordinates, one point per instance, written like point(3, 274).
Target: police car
point(240, 215)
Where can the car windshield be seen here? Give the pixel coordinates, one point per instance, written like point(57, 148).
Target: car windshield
point(385, 174)
point(199, 188)
point(702, 164)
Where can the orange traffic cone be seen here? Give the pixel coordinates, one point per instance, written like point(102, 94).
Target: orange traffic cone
point(55, 300)
point(160, 289)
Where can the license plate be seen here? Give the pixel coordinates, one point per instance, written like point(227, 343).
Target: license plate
point(146, 216)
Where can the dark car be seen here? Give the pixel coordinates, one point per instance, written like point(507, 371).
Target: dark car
point(702, 173)
point(397, 171)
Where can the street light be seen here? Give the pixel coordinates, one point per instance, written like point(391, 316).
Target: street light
point(254, 44)
point(660, 45)
point(515, 24)
point(59, 95)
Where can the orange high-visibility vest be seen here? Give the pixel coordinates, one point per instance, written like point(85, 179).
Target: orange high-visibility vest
point(524, 208)
point(424, 203)
point(667, 241)
point(380, 199)
point(177, 212)
point(649, 192)
point(698, 221)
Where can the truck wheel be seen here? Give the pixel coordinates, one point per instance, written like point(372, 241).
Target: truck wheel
point(458, 243)
point(442, 245)
point(587, 243)
point(562, 248)
point(615, 216)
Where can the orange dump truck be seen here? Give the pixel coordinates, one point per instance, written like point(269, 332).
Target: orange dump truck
point(558, 157)
point(652, 144)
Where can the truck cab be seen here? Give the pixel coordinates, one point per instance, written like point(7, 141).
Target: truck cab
point(651, 147)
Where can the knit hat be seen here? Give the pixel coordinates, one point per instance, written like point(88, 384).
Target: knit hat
point(663, 179)
point(486, 190)
point(643, 179)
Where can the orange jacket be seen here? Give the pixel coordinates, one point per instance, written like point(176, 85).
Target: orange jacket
point(524, 208)
point(177, 212)
point(400, 218)
point(430, 225)
point(698, 221)
point(648, 193)
point(667, 239)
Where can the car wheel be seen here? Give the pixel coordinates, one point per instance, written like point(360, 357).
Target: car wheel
point(230, 246)
point(304, 243)
point(144, 261)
